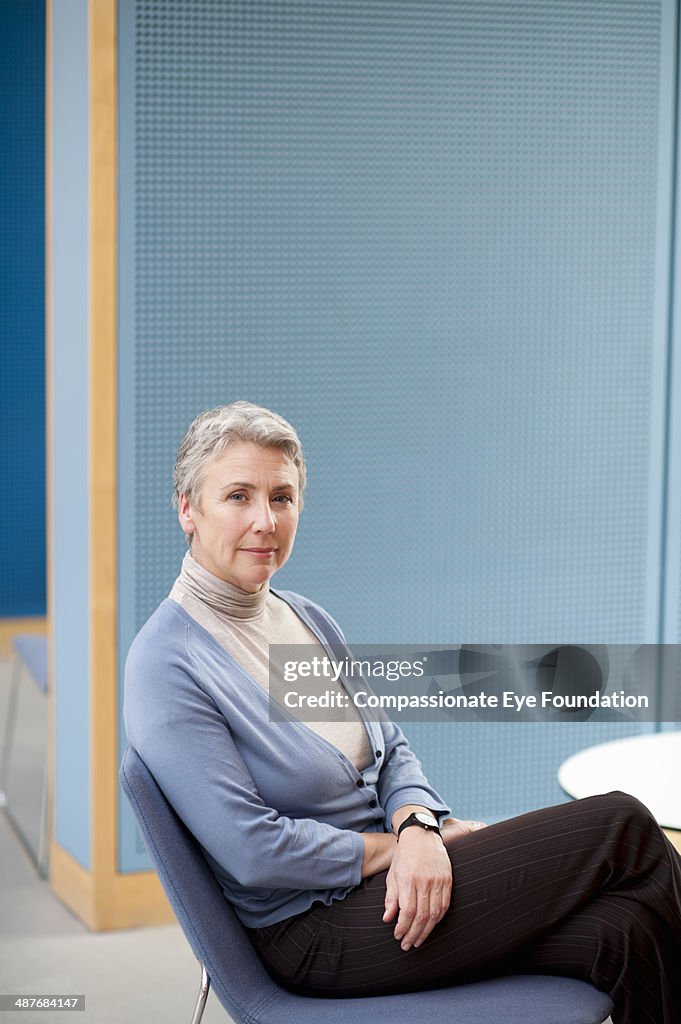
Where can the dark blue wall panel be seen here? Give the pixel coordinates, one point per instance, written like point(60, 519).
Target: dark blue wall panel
point(22, 305)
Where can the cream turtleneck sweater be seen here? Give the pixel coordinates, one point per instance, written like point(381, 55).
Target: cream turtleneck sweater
point(245, 625)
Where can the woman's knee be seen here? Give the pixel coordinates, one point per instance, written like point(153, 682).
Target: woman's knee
point(625, 806)
point(631, 806)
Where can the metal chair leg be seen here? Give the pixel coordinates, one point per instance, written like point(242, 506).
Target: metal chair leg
point(10, 728)
point(43, 848)
point(202, 996)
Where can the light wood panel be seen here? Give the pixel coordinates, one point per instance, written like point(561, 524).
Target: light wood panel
point(102, 416)
point(10, 627)
point(674, 837)
point(121, 901)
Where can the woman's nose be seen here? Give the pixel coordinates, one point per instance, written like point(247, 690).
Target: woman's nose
point(264, 519)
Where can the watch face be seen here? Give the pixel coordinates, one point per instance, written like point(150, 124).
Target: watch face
point(426, 819)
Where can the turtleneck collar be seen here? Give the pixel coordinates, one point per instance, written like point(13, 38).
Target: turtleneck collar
point(221, 597)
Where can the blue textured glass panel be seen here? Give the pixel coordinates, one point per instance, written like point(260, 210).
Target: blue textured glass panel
point(429, 233)
point(671, 632)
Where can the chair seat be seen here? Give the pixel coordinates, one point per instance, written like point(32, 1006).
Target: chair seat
point(525, 999)
point(251, 996)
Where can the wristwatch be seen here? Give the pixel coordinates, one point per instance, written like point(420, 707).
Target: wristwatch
point(422, 819)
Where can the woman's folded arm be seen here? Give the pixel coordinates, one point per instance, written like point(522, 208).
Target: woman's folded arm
point(187, 745)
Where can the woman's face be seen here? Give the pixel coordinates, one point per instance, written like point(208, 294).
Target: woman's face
point(245, 519)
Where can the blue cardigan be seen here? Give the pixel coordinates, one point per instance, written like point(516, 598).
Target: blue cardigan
point(277, 809)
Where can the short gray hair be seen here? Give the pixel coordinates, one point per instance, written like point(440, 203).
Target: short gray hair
point(214, 430)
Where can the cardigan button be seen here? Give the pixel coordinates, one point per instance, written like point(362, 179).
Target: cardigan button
point(379, 753)
point(360, 783)
point(372, 803)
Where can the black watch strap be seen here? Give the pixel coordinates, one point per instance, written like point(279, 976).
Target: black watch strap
point(423, 820)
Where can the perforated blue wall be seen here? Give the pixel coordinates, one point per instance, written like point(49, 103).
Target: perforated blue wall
point(435, 236)
point(671, 576)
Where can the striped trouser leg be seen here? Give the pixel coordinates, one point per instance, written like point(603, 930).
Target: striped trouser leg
point(590, 889)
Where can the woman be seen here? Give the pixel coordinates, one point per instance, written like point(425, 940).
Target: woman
point(330, 843)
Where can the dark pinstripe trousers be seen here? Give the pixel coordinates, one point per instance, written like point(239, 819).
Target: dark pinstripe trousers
point(589, 889)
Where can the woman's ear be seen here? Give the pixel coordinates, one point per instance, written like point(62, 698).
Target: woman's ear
point(185, 516)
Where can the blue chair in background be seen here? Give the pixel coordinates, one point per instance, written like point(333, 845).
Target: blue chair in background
point(231, 966)
point(30, 656)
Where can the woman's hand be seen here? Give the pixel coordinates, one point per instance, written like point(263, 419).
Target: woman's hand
point(454, 828)
point(418, 885)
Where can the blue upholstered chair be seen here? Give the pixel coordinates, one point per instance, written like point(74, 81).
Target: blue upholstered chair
point(231, 966)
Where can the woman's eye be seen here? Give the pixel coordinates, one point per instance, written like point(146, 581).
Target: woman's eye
point(237, 496)
point(284, 499)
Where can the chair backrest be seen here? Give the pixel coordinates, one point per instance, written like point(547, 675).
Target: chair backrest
point(215, 934)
